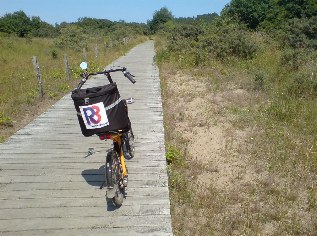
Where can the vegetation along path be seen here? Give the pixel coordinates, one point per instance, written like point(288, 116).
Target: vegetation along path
point(49, 184)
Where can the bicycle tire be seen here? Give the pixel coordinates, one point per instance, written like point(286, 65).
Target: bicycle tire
point(114, 177)
point(129, 144)
point(109, 161)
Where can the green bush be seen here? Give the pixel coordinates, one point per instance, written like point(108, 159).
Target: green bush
point(186, 32)
point(293, 58)
point(198, 44)
point(227, 39)
point(300, 32)
point(71, 37)
point(302, 85)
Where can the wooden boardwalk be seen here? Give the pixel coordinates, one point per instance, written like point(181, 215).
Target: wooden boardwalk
point(49, 184)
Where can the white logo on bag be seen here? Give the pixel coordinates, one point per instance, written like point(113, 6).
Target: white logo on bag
point(94, 116)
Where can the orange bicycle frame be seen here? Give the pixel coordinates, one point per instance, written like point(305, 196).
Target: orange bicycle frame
point(117, 139)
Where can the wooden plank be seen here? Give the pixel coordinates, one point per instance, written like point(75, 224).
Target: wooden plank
point(76, 202)
point(75, 185)
point(131, 231)
point(85, 222)
point(157, 191)
point(79, 177)
point(36, 212)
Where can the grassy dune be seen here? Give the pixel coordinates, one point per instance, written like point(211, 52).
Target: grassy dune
point(241, 143)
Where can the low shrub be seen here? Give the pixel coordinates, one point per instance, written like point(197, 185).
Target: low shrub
point(302, 85)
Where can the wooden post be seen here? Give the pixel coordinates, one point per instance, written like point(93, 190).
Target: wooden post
point(66, 67)
point(38, 75)
point(85, 54)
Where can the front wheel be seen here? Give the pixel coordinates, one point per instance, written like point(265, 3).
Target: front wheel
point(115, 189)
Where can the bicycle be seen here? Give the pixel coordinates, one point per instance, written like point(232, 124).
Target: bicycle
point(102, 112)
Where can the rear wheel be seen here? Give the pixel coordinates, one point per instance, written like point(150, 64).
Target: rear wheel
point(129, 144)
point(114, 178)
point(109, 163)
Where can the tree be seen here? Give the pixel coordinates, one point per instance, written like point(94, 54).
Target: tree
point(250, 12)
point(45, 30)
point(40, 28)
point(298, 8)
point(159, 19)
point(20, 24)
point(300, 32)
point(16, 23)
point(269, 14)
point(93, 25)
point(208, 17)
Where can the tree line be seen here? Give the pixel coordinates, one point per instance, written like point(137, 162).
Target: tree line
point(290, 23)
point(21, 25)
point(74, 35)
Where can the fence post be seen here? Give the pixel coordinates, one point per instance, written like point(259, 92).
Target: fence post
point(85, 54)
point(38, 75)
point(66, 67)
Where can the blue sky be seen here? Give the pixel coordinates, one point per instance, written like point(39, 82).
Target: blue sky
point(57, 11)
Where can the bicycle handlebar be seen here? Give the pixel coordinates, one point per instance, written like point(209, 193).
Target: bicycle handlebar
point(124, 70)
point(129, 76)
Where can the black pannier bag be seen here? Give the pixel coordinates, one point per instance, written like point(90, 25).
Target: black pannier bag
point(100, 110)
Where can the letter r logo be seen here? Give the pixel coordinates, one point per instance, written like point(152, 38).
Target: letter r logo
point(94, 116)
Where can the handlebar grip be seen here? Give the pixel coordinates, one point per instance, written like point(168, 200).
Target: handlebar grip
point(129, 76)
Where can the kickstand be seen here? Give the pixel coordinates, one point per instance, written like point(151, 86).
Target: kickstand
point(102, 185)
